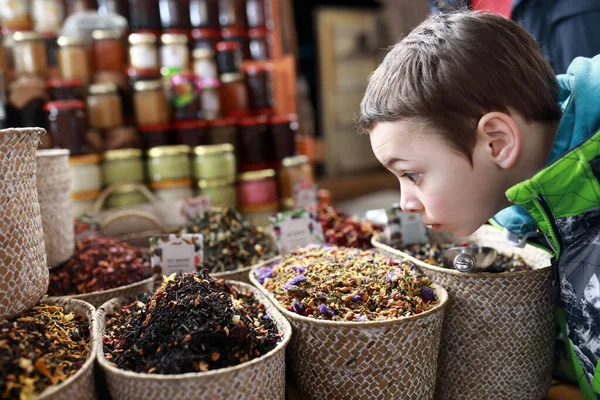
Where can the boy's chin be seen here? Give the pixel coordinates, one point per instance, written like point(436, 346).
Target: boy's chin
point(460, 231)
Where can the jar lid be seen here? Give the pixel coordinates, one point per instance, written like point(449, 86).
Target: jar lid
point(228, 46)
point(233, 32)
point(85, 159)
point(101, 34)
point(85, 196)
point(222, 122)
point(173, 38)
point(141, 38)
point(122, 154)
point(154, 127)
point(258, 67)
point(143, 73)
point(232, 77)
point(294, 161)
point(63, 83)
point(64, 41)
point(23, 36)
point(197, 123)
point(256, 175)
point(258, 32)
point(212, 183)
point(64, 105)
point(283, 119)
point(162, 151)
point(171, 183)
point(102, 88)
point(126, 188)
point(256, 120)
point(143, 86)
point(213, 149)
point(204, 52)
point(205, 33)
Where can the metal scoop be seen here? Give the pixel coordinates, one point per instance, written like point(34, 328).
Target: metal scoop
point(469, 258)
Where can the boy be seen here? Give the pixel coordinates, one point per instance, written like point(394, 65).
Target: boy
point(468, 115)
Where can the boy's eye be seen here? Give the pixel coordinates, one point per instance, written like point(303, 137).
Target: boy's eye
point(411, 176)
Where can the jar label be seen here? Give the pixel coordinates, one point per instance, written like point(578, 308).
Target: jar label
point(173, 253)
point(210, 100)
point(48, 15)
point(305, 195)
point(143, 56)
point(11, 9)
point(174, 56)
point(294, 229)
point(206, 69)
point(185, 91)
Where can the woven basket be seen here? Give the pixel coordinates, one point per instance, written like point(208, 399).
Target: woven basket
point(499, 329)
point(23, 269)
point(394, 359)
point(80, 386)
point(98, 298)
point(260, 379)
point(53, 186)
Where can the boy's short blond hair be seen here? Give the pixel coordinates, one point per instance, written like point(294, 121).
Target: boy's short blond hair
point(454, 68)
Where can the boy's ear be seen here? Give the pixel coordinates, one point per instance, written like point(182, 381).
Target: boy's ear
point(501, 137)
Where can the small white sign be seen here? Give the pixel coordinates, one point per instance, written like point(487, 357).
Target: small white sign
point(174, 253)
point(295, 229)
point(405, 228)
point(192, 208)
point(305, 195)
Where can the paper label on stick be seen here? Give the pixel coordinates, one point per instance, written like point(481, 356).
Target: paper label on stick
point(86, 225)
point(305, 195)
point(172, 253)
point(192, 208)
point(295, 229)
point(404, 228)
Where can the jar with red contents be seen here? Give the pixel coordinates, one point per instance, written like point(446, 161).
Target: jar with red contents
point(257, 196)
point(232, 14)
point(260, 45)
point(67, 125)
point(206, 38)
point(204, 13)
point(238, 36)
point(283, 131)
point(144, 15)
point(257, 14)
point(66, 89)
point(256, 147)
point(233, 96)
point(190, 133)
point(108, 51)
point(175, 14)
point(260, 88)
point(229, 57)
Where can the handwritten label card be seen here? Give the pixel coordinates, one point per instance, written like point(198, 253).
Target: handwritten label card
point(297, 228)
point(305, 195)
point(172, 253)
point(405, 228)
point(192, 208)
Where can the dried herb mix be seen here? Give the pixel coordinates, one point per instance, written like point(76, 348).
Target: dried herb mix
point(230, 241)
point(336, 283)
point(193, 323)
point(431, 253)
point(342, 230)
point(99, 264)
point(42, 347)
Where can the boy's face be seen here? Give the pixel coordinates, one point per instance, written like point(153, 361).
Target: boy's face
point(435, 180)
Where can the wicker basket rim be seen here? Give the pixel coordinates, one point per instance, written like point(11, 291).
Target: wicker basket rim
point(89, 363)
point(22, 131)
point(101, 315)
point(241, 270)
point(503, 275)
point(84, 296)
point(440, 291)
point(52, 153)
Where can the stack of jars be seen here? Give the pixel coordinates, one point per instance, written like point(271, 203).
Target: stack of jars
point(214, 170)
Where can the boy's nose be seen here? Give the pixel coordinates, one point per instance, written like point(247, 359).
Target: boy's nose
point(409, 202)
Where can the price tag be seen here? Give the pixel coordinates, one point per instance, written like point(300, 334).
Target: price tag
point(305, 195)
point(192, 208)
point(405, 228)
point(86, 225)
point(297, 228)
point(172, 253)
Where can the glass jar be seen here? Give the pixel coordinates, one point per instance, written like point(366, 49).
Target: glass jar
point(47, 15)
point(86, 174)
point(295, 170)
point(65, 89)
point(51, 41)
point(260, 88)
point(190, 133)
point(125, 196)
point(120, 7)
point(232, 14)
point(222, 192)
point(123, 165)
point(144, 15)
point(185, 97)
point(73, 59)
point(214, 161)
point(26, 100)
point(67, 125)
point(256, 13)
point(256, 147)
point(29, 51)
point(174, 53)
point(175, 14)
point(104, 106)
point(150, 101)
point(206, 38)
point(257, 196)
point(210, 99)
point(83, 203)
point(173, 190)
point(240, 36)
point(205, 65)
point(229, 57)
point(223, 131)
point(283, 130)
point(108, 50)
point(169, 163)
point(234, 96)
point(77, 6)
point(15, 15)
point(123, 137)
point(143, 53)
point(154, 135)
point(260, 46)
point(204, 13)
